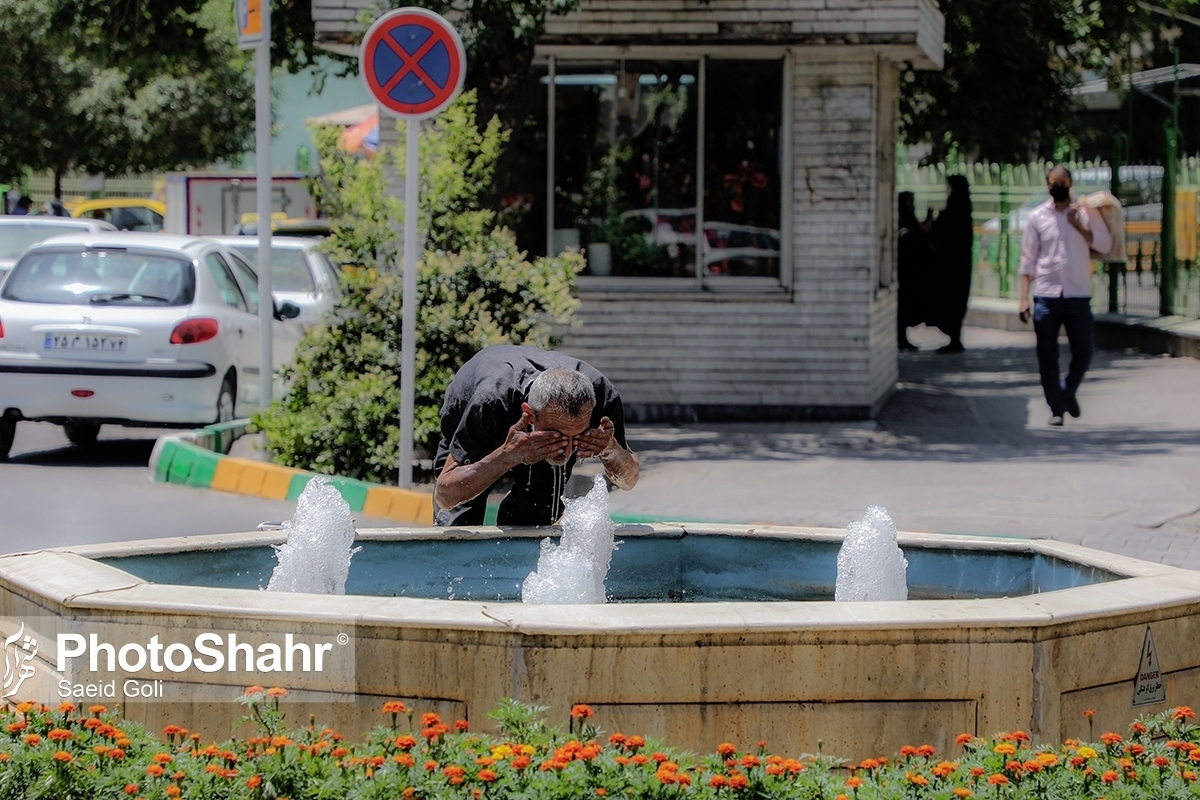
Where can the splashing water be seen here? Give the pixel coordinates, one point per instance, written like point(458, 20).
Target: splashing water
point(320, 538)
point(870, 565)
point(573, 571)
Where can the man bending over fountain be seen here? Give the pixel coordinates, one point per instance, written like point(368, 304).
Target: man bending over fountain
point(528, 413)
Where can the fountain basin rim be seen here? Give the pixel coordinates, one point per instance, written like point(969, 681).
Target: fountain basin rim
point(70, 578)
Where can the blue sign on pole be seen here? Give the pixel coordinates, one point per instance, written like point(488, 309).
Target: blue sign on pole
point(413, 62)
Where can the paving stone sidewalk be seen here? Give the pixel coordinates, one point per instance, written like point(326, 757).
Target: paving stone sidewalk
point(963, 446)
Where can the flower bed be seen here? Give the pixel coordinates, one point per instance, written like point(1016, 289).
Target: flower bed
point(73, 752)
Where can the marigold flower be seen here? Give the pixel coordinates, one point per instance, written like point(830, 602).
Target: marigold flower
point(1089, 712)
point(926, 750)
point(4, 757)
point(394, 707)
point(97, 709)
point(461, 725)
point(1032, 765)
point(253, 690)
point(521, 762)
point(404, 759)
point(1136, 749)
point(963, 739)
point(750, 761)
point(429, 719)
point(1086, 752)
point(1076, 761)
point(162, 758)
point(408, 793)
point(131, 788)
point(601, 792)
point(1183, 712)
point(962, 791)
point(123, 742)
point(116, 754)
point(717, 781)
point(1138, 727)
point(276, 691)
point(1004, 748)
point(431, 765)
point(908, 750)
point(1188, 775)
point(854, 782)
point(59, 735)
point(155, 771)
point(582, 711)
point(640, 759)
point(997, 779)
point(254, 781)
point(172, 730)
point(63, 756)
point(944, 768)
point(634, 742)
point(683, 779)
point(916, 779)
point(1162, 761)
point(774, 769)
point(1111, 739)
point(33, 740)
point(841, 797)
point(977, 771)
point(66, 708)
point(172, 791)
point(1013, 766)
point(17, 727)
point(616, 739)
point(738, 782)
point(1110, 776)
point(726, 749)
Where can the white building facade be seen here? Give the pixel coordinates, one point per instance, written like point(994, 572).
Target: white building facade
point(727, 167)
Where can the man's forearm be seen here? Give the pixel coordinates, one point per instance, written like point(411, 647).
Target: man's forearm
point(1026, 280)
point(620, 465)
point(459, 483)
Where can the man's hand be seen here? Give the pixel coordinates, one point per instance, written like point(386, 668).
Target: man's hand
point(595, 441)
point(525, 446)
point(1077, 222)
point(1023, 310)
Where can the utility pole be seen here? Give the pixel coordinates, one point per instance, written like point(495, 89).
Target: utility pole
point(1166, 276)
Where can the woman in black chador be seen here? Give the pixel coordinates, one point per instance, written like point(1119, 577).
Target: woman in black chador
point(912, 261)
point(953, 235)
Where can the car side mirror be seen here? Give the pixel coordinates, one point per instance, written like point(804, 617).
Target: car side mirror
point(286, 310)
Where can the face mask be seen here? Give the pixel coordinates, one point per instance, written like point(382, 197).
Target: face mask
point(1060, 193)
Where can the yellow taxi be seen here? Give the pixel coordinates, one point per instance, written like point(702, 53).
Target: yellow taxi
point(126, 213)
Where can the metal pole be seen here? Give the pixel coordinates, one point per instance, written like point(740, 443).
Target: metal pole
point(1117, 263)
point(408, 311)
point(262, 190)
point(1166, 276)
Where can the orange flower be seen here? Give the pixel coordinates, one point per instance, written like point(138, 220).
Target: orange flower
point(404, 759)
point(854, 782)
point(59, 735)
point(738, 782)
point(1111, 739)
point(155, 771)
point(406, 742)
point(97, 709)
point(1004, 748)
point(253, 690)
point(601, 792)
point(582, 711)
point(1188, 775)
point(640, 759)
point(162, 758)
point(131, 788)
point(616, 739)
point(394, 707)
point(429, 719)
point(116, 754)
point(338, 752)
point(1182, 712)
point(1089, 713)
point(33, 740)
point(173, 730)
point(63, 756)
point(66, 708)
point(726, 749)
point(977, 771)
point(408, 793)
point(750, 761)
point(1138, 727)
point(172, 791)
point(17, 727)
point(926, 750)
point(487, 775)
point(521, 762)
point(1162, 761)
point(717, 781)
point(430, 766)
point(916, 779)
point(1110, 776)
point(963, 739)
point(276, 692)
point(462, 725)
point(254, 781)
point(908, 750)
point(634, 742)
point(962, 791)
point(997, 780)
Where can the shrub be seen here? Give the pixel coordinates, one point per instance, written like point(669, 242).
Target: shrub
point(340, 415)
point(72, 753)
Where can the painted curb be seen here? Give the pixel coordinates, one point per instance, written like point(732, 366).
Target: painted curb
point(198, 459)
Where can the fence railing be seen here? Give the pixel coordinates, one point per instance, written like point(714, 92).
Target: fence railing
point(1002, 196)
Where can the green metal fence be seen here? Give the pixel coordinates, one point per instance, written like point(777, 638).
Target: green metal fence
point(1003, 194)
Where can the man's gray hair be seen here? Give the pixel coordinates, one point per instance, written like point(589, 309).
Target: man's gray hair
point(564, 388)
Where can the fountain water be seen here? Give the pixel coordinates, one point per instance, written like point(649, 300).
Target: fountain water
point(870, 565)
point(320, 538)
point(573, 571)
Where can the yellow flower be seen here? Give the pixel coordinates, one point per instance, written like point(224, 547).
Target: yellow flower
point(1087, 752)
point(502, 751)
point(1005, 748)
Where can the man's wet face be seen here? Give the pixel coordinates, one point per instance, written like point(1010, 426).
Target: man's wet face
point(553, 418)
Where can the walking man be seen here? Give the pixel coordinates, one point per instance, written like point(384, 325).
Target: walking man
point(528, 414)
point(1056, 263)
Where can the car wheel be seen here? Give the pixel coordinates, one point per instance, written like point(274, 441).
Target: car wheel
point(8, 429)
point(225, 400)
point(82, 433)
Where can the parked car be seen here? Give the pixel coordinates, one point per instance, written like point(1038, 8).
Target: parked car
point(299, 273)
point(18, 232)
point(126, 213)
point(131, 329)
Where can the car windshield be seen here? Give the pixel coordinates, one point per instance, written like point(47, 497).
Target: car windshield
point(289, 268)
point(16, 237)
point(106, 276)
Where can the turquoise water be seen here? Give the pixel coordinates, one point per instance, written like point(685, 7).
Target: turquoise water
point(645, 568)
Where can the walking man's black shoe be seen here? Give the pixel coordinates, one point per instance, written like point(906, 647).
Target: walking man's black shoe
point(1073, 406)
point(1056, 420)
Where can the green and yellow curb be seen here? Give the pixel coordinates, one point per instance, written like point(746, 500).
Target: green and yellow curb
point(199, 459)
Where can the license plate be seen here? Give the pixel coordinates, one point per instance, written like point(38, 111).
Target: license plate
point(85, 341)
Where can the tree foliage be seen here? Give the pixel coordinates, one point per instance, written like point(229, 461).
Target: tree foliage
point(134, 85)
point(475, 289)
point(1009, 67)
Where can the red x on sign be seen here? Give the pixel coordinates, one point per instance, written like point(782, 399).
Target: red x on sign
point(413, 62)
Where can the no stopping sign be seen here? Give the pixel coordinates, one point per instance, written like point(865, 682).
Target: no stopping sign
point(413, 62)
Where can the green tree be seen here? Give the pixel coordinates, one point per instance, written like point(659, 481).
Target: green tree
point(476, 288)
point(1009, 67)
point(135, 85)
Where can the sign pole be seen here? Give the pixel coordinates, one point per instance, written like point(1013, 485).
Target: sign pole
point(408, 312)
point(262, 188)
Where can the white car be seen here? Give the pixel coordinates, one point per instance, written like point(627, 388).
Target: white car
point(300, 273)
point(131, 329)
point(18, 232)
